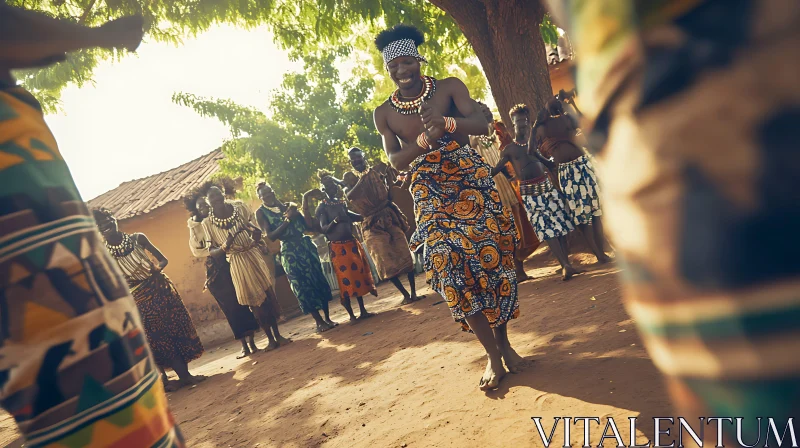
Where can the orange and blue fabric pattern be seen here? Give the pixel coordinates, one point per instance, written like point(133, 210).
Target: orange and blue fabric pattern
point(75, 367)
point(466, 235)
point(352, 269)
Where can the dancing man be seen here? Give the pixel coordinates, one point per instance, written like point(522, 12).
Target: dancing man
point(349, 260)
point(218, 274)
point(384, 225)
point(232, 229)
point(555, 137)
point(466, 236)
point(167, 324)
point(69, 325)
point(543, 202)
point(489, 147)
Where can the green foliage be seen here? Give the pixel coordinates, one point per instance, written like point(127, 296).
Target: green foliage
point(313, 118)
point(549, 30)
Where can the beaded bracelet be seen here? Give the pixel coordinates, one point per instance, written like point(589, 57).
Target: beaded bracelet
point(450, 124)
point(422, 141)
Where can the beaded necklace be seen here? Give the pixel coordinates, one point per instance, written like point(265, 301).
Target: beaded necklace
point(361, 174)
point(276, 209)
point(122, 249)
point(327, 201)
point(224, 223)
point(412, 106)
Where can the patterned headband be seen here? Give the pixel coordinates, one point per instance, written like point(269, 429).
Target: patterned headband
point(402, 47)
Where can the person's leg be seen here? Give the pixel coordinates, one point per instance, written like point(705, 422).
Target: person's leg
point(600, 235)
point(567, 270)
point(412, 283)
point(253, 347)
point(270, 308)
point(363, 313)
point(514, 362)
point(588, 234)
point(399, 285)
point(522, 276)
point(263, 319)
point(322, 325)
point(346, 304)
point(181, 368)
point(326, 310)
point(245, 349)
point(494, 369)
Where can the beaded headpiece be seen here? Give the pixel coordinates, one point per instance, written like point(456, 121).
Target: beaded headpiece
point(402, 47)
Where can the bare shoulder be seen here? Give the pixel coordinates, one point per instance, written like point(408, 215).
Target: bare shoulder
point(449, 83)
point(381, 110)
point(140, 238)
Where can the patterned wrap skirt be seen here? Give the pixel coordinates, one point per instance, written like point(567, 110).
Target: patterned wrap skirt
point(167, 324)
point(546, 211)
point(466, 235)
point(352, 269)
point(581, 190)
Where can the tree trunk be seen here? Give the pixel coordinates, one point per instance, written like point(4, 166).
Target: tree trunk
point(505, 36)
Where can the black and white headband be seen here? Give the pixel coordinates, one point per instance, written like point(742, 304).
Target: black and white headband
point(402, 47)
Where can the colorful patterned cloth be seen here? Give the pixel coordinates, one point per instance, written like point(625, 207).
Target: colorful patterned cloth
point(697, 151)
point(220, 283)
point(167, 324)
point(383, 227)
point(580, 188)
point(466, 235)
point(300, 260)
point(352, 269)
point(75, 368)
point(546, 212)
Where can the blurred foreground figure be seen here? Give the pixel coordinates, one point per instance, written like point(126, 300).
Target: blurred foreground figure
point(693, 112)
point(75, 367)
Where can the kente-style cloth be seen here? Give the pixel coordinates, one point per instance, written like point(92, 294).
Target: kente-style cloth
point(466, 235)
point(300, 260)
point(545, 208)
point(698, 155)
point(249, 271)
point(352, 269)
point(581, 190)
point(401, 47)
point(383, 227)
point(220, 284)
point(74, 360)
point(168, 326)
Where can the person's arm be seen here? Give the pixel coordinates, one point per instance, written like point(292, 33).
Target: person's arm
point(325, 223)
point(266, 228)
point(400, 155)
point(311, 222)
point(501, 164)
point(354, 217)
point(31, 39)
point(148, 246)
point(474, 122)
point(198, 242)
point(533, 150)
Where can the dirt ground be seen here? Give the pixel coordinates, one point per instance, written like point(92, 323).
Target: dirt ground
point(408, 377)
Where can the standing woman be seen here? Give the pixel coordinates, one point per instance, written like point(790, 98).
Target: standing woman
point(167, 325)
point(218, 275)
point(299, 255)
point(230, 227)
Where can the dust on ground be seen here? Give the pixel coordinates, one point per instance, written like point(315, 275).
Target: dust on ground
point(408, 377)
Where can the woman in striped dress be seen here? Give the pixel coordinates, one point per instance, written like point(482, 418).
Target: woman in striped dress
point(167, 325)
point(231, 228)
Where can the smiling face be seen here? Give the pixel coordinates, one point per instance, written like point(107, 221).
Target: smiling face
point(522, 126)
point(216, 198)
point(331, 188)
point(266, 194)
point(202, 207)
point(357, 160)
point(108, 226)
point(405, 72)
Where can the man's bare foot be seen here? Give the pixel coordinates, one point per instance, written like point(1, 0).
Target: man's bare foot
point(323, 327)
point(283, 341)
point(407, 300)
point(253, 347)
point(415, 298)
point(374, 292)
point(245, 354)
point(172, 386)
point(513, 361)
point(332, 323)
point(605, 259)
point(491, 377)
point(272, 346)
point(365, 315)
point(524, 278)
point(567, 273)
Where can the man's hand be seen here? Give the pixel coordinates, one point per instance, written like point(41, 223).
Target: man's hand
point(257, 234)
point(292, 212)
point(125, 32)
point(316, 193)
point(431, 119)
point(434, 133)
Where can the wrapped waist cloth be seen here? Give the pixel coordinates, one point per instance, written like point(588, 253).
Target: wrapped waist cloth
point(466, 235)
point(535, 187)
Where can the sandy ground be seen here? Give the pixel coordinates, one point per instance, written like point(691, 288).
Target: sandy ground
point(408, 377)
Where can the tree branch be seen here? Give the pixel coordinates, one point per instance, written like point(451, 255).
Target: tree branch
point(86, 12)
